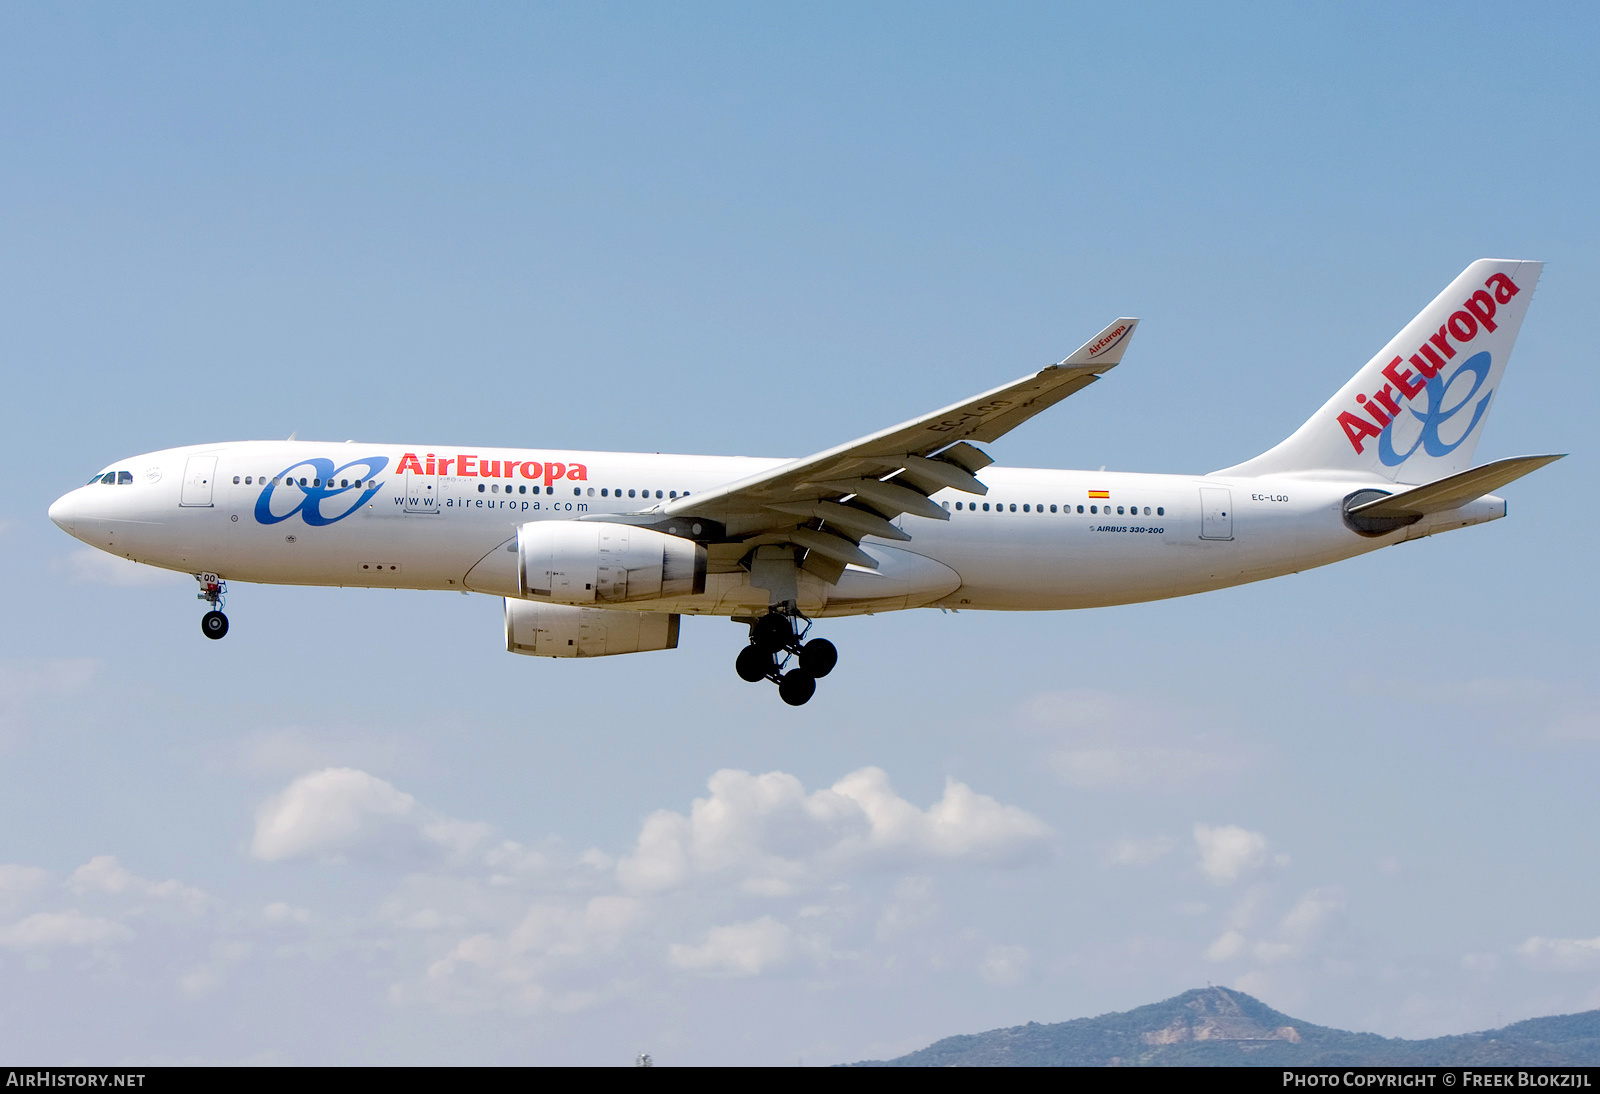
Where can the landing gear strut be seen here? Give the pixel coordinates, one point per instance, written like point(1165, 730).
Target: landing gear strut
point(213, 590)
point(775, 647)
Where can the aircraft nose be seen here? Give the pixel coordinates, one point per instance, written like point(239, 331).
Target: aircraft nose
point(64, 513)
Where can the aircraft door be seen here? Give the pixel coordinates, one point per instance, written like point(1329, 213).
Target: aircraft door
point(1216, 512)
point(198, 475)
point(421, 494)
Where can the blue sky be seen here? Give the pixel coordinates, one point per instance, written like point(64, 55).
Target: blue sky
point(1364, 794)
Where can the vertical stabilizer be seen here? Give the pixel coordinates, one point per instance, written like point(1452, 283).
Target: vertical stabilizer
point(1415, 412)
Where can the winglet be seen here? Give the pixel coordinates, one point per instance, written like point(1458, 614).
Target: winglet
point(1106, 348)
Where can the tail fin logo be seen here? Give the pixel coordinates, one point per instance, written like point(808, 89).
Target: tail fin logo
point(1374, 415)
point(1438, 414)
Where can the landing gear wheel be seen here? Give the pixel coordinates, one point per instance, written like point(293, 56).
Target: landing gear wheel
point(797, 687)
point(818, 657)
point(754, 664)
point(772, 632)
point(213, 624)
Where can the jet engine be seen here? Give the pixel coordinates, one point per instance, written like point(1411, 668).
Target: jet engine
point(559, 630)
point(596, 562)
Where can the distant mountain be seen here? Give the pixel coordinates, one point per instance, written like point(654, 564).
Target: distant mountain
point(1215, 1026)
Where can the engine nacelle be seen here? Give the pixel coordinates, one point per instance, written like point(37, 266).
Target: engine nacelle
point(558, 630)
point(596, 562)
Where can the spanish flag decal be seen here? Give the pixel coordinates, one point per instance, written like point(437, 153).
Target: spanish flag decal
point(1099, 493)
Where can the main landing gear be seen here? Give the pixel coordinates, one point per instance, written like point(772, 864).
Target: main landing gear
point(774, 647)
point(212, 590)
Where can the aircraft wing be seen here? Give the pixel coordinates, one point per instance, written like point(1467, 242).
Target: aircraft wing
point(827, 502)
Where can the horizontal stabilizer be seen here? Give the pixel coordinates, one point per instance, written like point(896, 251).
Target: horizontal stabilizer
point(1453, 491)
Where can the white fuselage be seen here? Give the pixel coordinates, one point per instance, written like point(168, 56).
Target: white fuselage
point(1040, 539)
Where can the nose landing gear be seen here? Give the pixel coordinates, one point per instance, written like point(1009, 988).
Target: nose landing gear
point(775, 646)
point(213, 590)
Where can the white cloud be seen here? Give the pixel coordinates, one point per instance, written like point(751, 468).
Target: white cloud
point(563, 930)
point(1561, 953)
point(1134, 766)
point(1312, 914)
point(23, 681)
point(766, 831)
point(96, 567)
point(1230, 945)
point(1004, 966)
point(911, 906)
point(209, 976)
point(741, 949)
point(340, 812)
point(1297, 933)
point(1228, 852)
point(1111, 741)
point(17, 882)
point(523, 968)
point(48, 930)
point(104, 874)
point(1579, 725)
point(1270, 952)
point(1132, 851)
point(280, 913)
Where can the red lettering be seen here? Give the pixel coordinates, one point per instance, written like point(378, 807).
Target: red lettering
point(532, 469)
point(1382, 418)
point(489, 469)
point(552, 472)
point(430, 470)
point(1463, 326)
point(444, 466)
point(578, 473)
point(466, 465)
point(1388, 401)
point(1482, 305)
point(1423, 366)
point(1357, 428)
point(1404, 382)
point(1504, 288)
point(1444, 345)
point(408, 462)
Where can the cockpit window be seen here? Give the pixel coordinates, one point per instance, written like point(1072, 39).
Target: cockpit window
point(109, 478)
point(124, 478)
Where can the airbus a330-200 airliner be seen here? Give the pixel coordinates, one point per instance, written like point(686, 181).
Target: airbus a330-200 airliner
point(600, 553)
